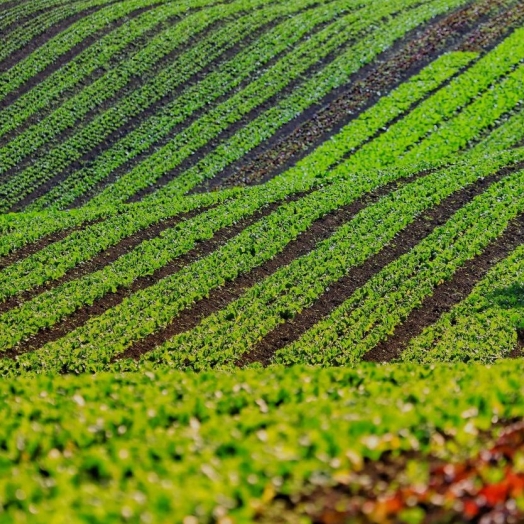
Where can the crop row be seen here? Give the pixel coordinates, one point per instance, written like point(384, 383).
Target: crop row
point(455, 134)
point(171, 77)
point(54, 261)
point(103, 337)
point(72, 73)
point(374, 310)
point(25, 10)
point(303, 96)
point(482, 327)
point(317, 163)
point(221, 338)
point(137, 65)
point(171, 446)
point(40, 24)
point(400, 137)
point(218, 83)
point(405, 133)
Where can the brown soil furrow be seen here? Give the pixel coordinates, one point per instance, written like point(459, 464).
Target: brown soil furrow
point(231, 130)
point(38, 41)
point(357, 276)
point(102, 259)
point(518, 352)
point(494, 30)
point(83, 314)
point(129, 126)
point(221, 297)
point(41, 243)
point(13, 3)
point(449, 294)
point(128, 166)
point(403, 60)
point(63, 59)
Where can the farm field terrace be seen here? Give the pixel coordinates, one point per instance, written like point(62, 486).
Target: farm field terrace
point(270, 250)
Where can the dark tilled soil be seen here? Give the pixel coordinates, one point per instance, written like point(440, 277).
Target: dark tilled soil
point(60, 62)
point(356, 277)
point(41, 243)
point(133, 84)
point(449, 294)
point(201, 152)
point(98, 262)
point(249, 117)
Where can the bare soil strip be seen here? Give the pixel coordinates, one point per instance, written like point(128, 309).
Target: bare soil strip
point(50, 33)
point(221, 297)
point(128, 166)
point(249, 117)
point(132, 124)
point(356, 277)
point(41, 243)
point(449, 294)
point(405, 59)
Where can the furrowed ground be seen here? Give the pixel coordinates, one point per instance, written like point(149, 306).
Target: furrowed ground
point(261, 191)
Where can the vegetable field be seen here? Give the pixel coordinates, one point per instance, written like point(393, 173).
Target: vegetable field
point(219, 219)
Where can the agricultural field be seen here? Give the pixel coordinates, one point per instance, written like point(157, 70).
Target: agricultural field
point(261, 261)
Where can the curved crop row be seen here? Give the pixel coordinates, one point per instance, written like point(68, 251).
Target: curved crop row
point(331, 76)
point(224, 337)
point(57, 85)
point(23, 35)
point(374, 310)
point(195, 98)
point(169, 79)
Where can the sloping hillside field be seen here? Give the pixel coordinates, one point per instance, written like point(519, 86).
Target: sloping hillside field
point(261, 261)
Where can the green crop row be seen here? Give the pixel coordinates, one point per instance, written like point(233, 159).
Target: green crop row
point(225, 78)
point(321, 159)
point(54, 261)
point(93, 95)
point(484, 326)
point(390, 106)
point(171, 77)
point(216, 121)
point(49, 264)
point(61, 83)
point(26, 9)
point(374, 310)
point(412, 128)
point(221, 338)
point(93, 345)
point(168, 446)
point(388, 147)
point(26, 228)
point(455, 134)
point(22, 35)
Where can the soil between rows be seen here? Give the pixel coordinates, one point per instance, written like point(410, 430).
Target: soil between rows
point(134, 83)
point(85, 313)
point(219, 298)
